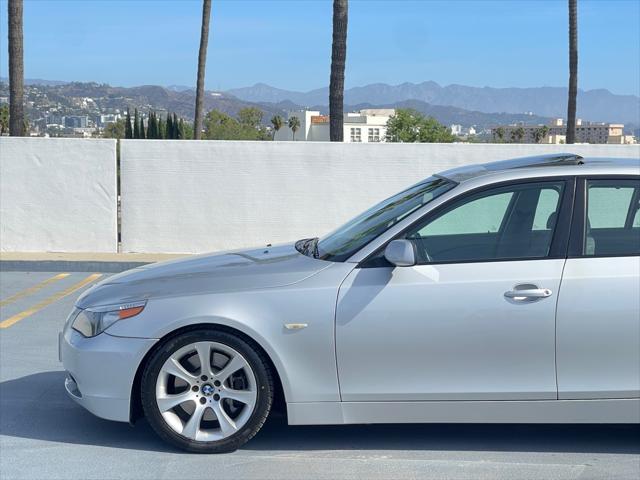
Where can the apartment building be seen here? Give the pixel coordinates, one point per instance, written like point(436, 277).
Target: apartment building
point(556, 133)
point(366, 126)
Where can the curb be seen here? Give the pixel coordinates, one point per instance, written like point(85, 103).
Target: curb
point(67, 266)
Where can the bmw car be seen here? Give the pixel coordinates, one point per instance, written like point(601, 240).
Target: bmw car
point(502, 292)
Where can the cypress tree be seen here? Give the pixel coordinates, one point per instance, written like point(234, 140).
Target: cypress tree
point(154, 126)
point(161, 128)
point(181, 129)
point(176, 126)
point(141, 129)
point(150, 126)
point(169, 129)
point(136, 124)
point(128, 131)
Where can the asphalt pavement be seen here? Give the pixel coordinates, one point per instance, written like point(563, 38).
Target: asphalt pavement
point(43, 434)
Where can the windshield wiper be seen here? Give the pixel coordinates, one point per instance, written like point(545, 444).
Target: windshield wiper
point(308, 247)
point(314, 242)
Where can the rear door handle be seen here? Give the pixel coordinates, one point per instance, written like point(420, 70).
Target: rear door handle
point(527, 294)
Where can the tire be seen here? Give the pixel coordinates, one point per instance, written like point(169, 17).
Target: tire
point(218, 411)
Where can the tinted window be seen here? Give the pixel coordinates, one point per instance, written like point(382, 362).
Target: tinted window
point(503, 223)
point(351, 237)
point(547, 205)
point(481, 216)
point(613, 226)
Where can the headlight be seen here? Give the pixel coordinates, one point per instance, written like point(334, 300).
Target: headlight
point(95, 320)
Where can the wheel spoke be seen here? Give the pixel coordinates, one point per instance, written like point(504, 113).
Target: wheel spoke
point(227, 425)
point(167, 402)
point(243, 396)
point(173, 367)
point(192, 427)
point(235, 364)
point(215, 391)
point(204, 355)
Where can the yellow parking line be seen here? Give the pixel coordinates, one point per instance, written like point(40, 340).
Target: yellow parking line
point(33, 289)
point(39, 306)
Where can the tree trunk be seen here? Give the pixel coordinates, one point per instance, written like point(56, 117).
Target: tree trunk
point(202, 60)
point(573, 71)
point(338, 59)
point(16, 70)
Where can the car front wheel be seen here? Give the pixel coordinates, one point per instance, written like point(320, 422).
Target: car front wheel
point(207, 391)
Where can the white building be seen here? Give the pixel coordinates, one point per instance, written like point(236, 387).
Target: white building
point(369, 125)
point(104, 120)
point(460, 131)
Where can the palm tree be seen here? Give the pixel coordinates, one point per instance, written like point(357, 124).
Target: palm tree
point(202, 60)
point(499, 132)
point(4, 119)
point(338, 59)
point(537, 135)
point(294, 125)
point(519, 134)
point(16, 70)
point(277, 123)
point(573, 71)
point(544, 131)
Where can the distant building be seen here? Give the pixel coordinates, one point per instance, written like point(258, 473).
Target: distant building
point(460, 131)
point(76, 121)
point(366, 126)
point(54, 119)
point(103, 120)
point(556, 133)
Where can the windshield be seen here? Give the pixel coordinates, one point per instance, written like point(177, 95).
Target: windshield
point(351, 237)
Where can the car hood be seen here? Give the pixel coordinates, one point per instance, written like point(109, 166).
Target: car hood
point(210, 273)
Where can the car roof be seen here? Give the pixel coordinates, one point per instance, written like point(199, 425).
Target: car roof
point(546, 165)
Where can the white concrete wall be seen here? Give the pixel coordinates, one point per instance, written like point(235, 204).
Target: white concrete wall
point(180, 196)
point(57, 195)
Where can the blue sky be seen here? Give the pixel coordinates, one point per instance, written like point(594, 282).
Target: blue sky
point(288, 43)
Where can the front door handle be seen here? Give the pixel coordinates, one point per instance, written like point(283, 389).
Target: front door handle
point(527, 293)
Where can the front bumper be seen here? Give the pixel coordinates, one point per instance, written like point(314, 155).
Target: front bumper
point(101, 371)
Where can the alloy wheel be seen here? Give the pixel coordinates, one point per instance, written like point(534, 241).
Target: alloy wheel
point(206, 391)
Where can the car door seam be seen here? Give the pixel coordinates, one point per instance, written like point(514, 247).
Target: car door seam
point(335, 330)
point(555, 334)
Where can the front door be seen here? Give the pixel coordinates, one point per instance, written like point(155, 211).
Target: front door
point(475, 319)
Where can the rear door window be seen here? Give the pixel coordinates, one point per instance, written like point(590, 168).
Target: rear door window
point(613, 222)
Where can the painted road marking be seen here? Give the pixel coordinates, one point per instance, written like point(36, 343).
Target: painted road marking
point(33, 289)
point(47, 301)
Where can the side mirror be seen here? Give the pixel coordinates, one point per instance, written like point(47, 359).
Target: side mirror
point(401, 253)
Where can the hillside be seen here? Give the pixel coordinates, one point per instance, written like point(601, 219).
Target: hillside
point(65, 98)
point(593, 105)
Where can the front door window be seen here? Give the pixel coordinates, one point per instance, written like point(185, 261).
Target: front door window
point(513, 222)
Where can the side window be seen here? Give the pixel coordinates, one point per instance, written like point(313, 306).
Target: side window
point(511, 222)
point(547, 205)
point(484, 215)
point(613, 221)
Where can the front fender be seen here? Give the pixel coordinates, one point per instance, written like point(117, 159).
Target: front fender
point(304, 358)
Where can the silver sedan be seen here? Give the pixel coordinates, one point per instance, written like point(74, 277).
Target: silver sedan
point(504, 292)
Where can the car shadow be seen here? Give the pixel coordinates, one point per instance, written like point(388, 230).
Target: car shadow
point(37, 407)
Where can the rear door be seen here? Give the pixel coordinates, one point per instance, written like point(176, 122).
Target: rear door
point(598, 332)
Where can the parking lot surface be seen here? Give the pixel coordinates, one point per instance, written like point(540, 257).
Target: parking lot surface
point(43, 434)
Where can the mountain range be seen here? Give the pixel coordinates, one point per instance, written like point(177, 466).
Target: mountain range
point(593, 105)
point(454, 104)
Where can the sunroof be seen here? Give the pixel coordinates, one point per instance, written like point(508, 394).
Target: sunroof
point(466, 172)
point(536, 161)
